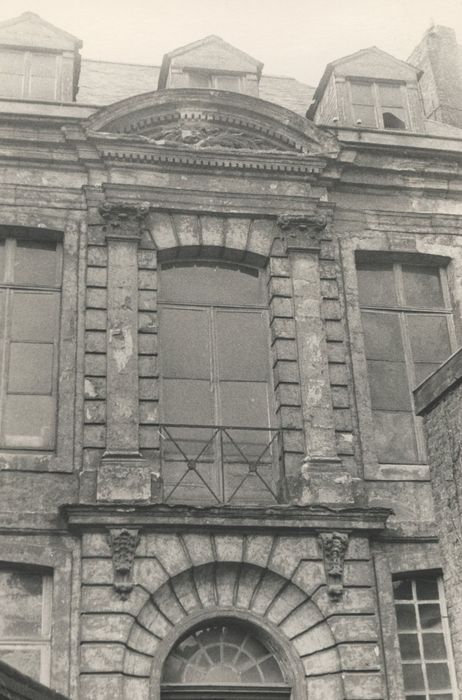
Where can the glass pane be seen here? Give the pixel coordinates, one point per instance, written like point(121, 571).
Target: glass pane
point(30, 368)
point(29, 422)
point(427, 589)
point(34, 316)
point(388, 386)
point(42, 64)
point(188, 401)
point(361, 94)
point(402, 590)
point(366, 115)
point(42, 88)
point(242, 345)
point(390, 96)
point(198, 80)
point(376, 285)
point(429, 337)
point(382, 336)
point(430, 615)
point(413, 677)
point(422, 287)
point(185, 343)
point(395, 438)
point(434, 646)
point(438, 677)
point(25, 660)
point(394, 118)
point(36, 263)
point(409, 646)
point(244, 404)
point(405, 616)
point(20, 605)
point(11, 62)
point(227, 82)
point(210, 283)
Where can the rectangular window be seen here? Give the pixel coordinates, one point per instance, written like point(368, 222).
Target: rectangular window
point(28, 74)
point(408, 333)
point(25, 621)
point(378, 105)
point(30, 284)
point(424, 641)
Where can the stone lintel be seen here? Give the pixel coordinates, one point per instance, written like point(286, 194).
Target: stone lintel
point(296, 519)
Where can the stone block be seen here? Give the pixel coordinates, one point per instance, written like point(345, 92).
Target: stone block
point(97, 256)
point(97, 571)
point(212, 230)
point(168, 604)
point(97, 276)
point(147, 280)
point(289, 551)
point(301, 619)
point(162, 231)
point(204, 578)
point(359, 656)
point(149, 412)
point(363, 686)
point(185, 590)
point(248, 581)
point(359, 601)
point(199, 547)
point(147, 259)
point(101, 686)
point(136, 664)
point(354, 628)
point(309, 576)
point(118, 482)
point(142, 640)
point(322, 663)
point(226, 576)
point(101, 658)
point(313, 640)
point(95, 388)
point(325, 688)
point(106, 599)
point(96, 319)
point(289, 599)
point(147, 572)
point(282, 307)
point(137, 688)
point(282, 328)
point(96, 544)
point(147, 300)
point(268, 591)
point(261, 237)
point(169, 550)
point(153, 620)
point(105, 627)
point(237, 233)
point(96, 298)
point(95, 365)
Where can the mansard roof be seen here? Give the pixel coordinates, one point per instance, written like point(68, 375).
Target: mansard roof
point(29, 29)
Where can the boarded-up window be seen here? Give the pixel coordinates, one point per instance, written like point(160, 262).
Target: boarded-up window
point(25, 621)
point(423, 633)
point(30, 280)
point(378, 104)
point(28, 74)
point(407, 325)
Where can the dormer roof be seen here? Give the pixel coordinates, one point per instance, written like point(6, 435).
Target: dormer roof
point(30, 30)
point(211, 53)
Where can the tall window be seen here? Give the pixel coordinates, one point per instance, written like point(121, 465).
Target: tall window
point(214, 346)
point(30, 281)
point(379, 105)
point(408, 333)
point(29, 74)
point(424, 642)
point(219, 661)
point(25, 622)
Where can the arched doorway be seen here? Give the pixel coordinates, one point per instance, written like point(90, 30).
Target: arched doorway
point(223, 660)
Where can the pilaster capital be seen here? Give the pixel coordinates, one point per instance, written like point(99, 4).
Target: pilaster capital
point(303, 232)
point(124, 220)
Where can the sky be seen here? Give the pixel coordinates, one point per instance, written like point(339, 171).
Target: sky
point(292, 37)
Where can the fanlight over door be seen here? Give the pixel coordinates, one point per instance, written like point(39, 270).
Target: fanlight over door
point(219, 442)
point(223, 661)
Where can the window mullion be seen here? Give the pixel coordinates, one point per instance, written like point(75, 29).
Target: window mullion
point(423, 665)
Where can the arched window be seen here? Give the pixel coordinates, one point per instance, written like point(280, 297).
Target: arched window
point(219, 441)
point(222, 660)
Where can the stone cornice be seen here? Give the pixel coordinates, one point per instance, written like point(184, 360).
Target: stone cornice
point(177, 518)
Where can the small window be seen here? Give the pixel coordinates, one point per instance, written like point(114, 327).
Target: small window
point(424, 640)
point(30, 281)
point(217, 81)
point(25, 621)
point(408, 333)
point(378, 105)
point(28, 74)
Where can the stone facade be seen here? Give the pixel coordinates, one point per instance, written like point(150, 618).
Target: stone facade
point(309, 563)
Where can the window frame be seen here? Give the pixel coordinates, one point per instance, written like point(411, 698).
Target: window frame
point(27, 75)
point(415, 576)
point(43, 642)
point(213, 78)
point(375, 86)
point(403, 312)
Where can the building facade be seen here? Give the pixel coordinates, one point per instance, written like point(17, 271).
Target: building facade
point(215, 307)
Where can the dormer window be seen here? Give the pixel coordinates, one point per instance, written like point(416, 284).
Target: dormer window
point(378, 105)
point(28, 74)
point(216, 81)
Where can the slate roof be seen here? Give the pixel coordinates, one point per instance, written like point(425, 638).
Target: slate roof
point(102, 83)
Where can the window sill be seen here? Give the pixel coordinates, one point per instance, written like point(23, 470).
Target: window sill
point(20, 460)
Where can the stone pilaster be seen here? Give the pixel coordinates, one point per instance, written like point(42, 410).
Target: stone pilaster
point(321, 478)
point(123, 473)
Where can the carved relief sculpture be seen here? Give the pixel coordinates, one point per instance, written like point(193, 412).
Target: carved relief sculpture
point(334, 545)
point(123, 543)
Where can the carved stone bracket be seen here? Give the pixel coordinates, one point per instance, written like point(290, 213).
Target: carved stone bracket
point(334, 545)
point(124, 220)
point(302, 231)
point(123, 543)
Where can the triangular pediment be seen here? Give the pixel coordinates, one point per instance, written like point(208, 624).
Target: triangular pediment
point(211, 120)
point(213, 53)
point(30, 30)
point(375, 63)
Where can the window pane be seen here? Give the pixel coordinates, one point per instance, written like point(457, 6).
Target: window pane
point(413, 677)
point(422, 287)
point(210, 283)
point(430, 616)
point(394, 438)
point(366, 115)
point(43, 76)
point(34, 316)
point(361, 94)
point(429, 337)
point(427, 589)
point(405, 616)
point(390, 96)
point(376, 285)
point(25, 660)
point(394, 118)
point(382, 336)
point(438, 676)
point(11, 73)
point(244, 403)
point(242, 345)
point(185, 343)
point(20, 605)
point(409, 646)
point(36, 263)
point(29, 422)
point(30, 368)
point(42, 88)
point(188, 401)
point(434, 646)
point(227, 82)
point(199, 80)
point(402, 590)
point(388, 386)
